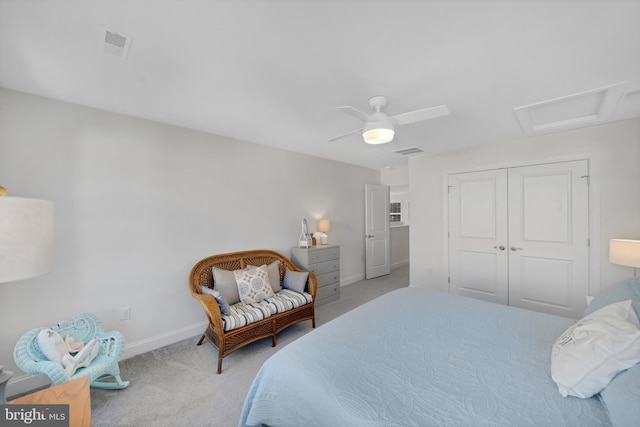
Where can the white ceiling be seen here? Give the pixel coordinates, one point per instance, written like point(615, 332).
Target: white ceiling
point(273, 71)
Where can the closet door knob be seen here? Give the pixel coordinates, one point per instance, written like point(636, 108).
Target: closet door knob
point(501, 247)
point(513, 248)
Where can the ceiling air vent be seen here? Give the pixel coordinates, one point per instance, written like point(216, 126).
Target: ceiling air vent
point(408, 151)
point(115, 43)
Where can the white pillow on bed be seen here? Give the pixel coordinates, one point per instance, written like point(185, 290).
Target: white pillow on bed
point(593, 350)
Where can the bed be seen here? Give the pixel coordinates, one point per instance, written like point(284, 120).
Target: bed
point(415, 357)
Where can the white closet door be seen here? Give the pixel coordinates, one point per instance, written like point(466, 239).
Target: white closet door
point(519, 236)
point(548, 237)
point(478, 235)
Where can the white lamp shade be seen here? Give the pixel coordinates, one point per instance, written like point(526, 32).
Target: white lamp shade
point(624, 252)
point(324, 225)
point(26, 238)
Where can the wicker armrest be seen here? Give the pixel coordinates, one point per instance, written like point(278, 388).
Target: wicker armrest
point(312, 285)
point(212, 310)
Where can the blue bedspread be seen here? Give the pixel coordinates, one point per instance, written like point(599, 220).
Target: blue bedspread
point(416, 357)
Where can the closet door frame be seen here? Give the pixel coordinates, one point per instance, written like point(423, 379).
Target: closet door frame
point(594, 209)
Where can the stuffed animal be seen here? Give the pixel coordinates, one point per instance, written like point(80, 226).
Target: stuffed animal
point(72, 345)
point(71, 355)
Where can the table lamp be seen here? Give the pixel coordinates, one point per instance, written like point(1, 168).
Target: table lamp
point(625, 252)
point(324, 226)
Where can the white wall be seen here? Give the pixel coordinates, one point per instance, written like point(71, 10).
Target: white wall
point(396, 177)
point(616, 150)
point(399, 246)
point(138, 203)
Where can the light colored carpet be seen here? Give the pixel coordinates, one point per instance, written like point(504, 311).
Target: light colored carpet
point(177, 385)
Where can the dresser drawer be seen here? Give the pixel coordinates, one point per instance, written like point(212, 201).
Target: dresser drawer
point(325, 267)
point(327, 291)
point(324, 261)
point(328, 278)
point(322, 255)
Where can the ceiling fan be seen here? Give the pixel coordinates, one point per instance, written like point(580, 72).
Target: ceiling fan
point(379, 127)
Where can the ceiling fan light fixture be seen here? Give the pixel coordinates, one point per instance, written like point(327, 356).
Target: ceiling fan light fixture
point(378, 136)
point(379, 128)
point(378, 131)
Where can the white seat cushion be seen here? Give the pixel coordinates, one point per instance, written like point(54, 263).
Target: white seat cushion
point(245, 314)
point(287, 299)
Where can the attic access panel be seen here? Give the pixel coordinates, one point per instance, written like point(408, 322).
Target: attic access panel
point(570, 111)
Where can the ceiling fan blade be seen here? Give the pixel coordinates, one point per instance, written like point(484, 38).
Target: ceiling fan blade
point(344, 135)
point(419, 115)
point(355, 113)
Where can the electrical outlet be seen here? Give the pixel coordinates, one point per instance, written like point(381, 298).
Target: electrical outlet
point(125, 313)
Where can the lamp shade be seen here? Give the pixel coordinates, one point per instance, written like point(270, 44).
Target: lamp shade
point(324, 226)
point(624, 252)
point(26, 238)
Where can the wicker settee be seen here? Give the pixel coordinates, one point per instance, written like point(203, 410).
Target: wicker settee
point(218, 332)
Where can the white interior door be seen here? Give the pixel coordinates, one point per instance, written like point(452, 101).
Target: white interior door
point(548, 237)
point(478, 235)
point(520, 236)
point(377, 257)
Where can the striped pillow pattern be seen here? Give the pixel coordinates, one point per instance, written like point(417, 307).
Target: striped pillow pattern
point(245, 314)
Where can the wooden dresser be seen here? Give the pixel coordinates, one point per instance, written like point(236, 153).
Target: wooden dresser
point(324, 261)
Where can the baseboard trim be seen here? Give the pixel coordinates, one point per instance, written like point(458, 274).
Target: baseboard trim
point(353, 279)
point(360, 277)
point(23, 384)
point(171, 337)
point(400, 263)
